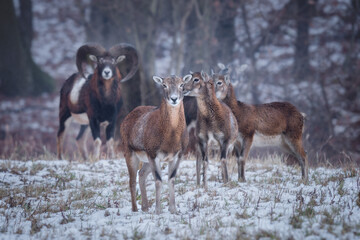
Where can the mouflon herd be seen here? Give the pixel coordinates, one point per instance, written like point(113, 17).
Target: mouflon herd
point(154, 134)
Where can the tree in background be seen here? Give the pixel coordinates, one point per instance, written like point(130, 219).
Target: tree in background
point(200, 30)
point(299, 64)
point(143, 23)
point(304, 52)
point(135, 22)
point(225, 32)
point(19, 75)
point(304, 13)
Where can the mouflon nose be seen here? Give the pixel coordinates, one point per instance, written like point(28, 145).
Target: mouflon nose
point(106, 72)
point(173, 99)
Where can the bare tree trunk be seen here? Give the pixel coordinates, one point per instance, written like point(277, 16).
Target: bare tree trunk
point(225, 33)
point(254, 78)
point(145, 38)
point(193, 53)
point(301, 62)
point(25, 22)
point(327, 106)
point(42, 82)
point(112, 22)
point(15, 72)
point(200, 29)
point(180, 14)
point(19, 75)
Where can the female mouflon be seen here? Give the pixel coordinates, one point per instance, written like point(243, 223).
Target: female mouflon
point(154, 134)
point(276, 123)
point(215, 122)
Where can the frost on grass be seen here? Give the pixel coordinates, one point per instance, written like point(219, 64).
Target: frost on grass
point(59, 199)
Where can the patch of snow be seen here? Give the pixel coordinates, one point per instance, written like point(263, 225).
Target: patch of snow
point(96, 202)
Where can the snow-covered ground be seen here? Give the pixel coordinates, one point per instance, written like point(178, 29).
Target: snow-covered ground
point(52, 199)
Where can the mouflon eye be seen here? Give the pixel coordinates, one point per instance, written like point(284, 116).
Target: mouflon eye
point(181, 85)
point(164, 86)
point(196, 79)
point(219, 83)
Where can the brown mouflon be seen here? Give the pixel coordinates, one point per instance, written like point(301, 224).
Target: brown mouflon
point(276, 123)
point(97, 98)
point(215, 122)
point(154, 134)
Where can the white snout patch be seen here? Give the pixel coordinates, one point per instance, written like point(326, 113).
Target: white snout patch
point(81, 118)
point(107, 73)
point(172, 103)
point(75, 91)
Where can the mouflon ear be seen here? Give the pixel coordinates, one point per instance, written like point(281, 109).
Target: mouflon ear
point(93, 58)
point(158, 80)
point(187, 78)
point(120, 58)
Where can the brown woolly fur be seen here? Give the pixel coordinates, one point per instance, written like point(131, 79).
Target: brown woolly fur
point(270, 121)
point(215, 122)
point(154, 134)
point(154, 137)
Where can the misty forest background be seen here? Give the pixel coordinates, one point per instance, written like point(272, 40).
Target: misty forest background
point(304, 52)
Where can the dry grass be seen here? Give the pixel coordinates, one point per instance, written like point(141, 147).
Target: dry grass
point(47, 198)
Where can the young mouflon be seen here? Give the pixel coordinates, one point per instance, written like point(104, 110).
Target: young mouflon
point(215, 122)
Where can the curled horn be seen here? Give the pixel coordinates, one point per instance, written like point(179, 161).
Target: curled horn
point(130, 54)
point(85, 50)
